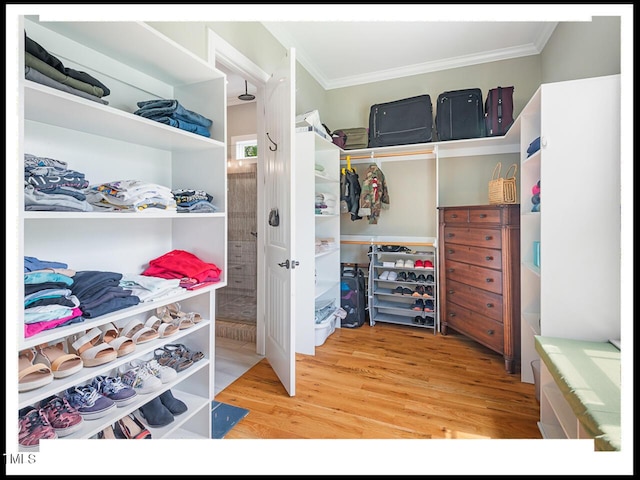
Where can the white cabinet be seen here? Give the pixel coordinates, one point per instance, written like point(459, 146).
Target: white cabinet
point(575, 290)
point(317, 174)
point(108, 143)
point(402, 286)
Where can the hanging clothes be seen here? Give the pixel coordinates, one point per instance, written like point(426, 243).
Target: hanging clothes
point(350, 193)
point(375, 195)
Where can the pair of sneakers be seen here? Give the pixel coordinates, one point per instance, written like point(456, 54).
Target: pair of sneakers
point(404, 263)
point(388, 275)
point(146, 376)
point(52, 418)
point(424, 264)
point(421, 305)
point(426, 321)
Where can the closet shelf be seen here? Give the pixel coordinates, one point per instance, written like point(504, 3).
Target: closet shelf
point(39, 215)
point(43, 104)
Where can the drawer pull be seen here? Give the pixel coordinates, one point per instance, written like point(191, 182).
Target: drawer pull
point(489, 332)
point(489, 305)
point(489, 280)
point(488, 258)
point(452, 314)
point(488, 237)
point(450, 252)
point(450, 235)
point(454, 215)
point(483, 215)
point(451, 292)
point(450, 270)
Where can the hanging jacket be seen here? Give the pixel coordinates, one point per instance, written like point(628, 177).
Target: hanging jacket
point(374, 195)
point(350, 193)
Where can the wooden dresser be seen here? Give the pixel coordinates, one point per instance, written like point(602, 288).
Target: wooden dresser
point(480, 276)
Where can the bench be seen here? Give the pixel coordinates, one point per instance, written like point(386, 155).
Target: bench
point(587, 374)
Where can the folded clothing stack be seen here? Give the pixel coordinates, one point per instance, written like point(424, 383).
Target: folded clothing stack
point(173, 113)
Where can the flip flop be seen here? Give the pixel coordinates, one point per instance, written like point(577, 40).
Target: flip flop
point(61, 363)
point(32, 376)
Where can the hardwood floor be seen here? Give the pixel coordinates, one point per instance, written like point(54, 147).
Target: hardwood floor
point(388, 382)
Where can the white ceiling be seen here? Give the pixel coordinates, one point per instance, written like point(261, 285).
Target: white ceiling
point(349, 53)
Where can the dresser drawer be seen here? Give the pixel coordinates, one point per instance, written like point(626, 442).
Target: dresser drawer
point(482, 329)
point(484, 215)
point(244, 270)
point(456, 215)
point(484, 257)
point(483, 278)
point(486, 303)
point(477, 237)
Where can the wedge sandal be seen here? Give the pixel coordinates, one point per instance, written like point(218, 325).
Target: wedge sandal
point(61, 363)
point(30, 375)
point(140, 333)
point(123, 345)
point(90, 351)
point(164, 329)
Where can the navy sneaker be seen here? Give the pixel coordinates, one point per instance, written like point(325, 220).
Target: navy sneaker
point(411, 277)
point(418, 305)
point(114, 389)
point(398, 290)
point(428, 306)
point(402, 277)
point(430, 278)
point(421, 278)
point(88, 402)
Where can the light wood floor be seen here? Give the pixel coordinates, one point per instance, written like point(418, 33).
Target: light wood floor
point(386, 382)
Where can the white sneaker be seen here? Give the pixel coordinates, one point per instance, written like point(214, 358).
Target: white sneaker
point(400, 263)
point(392, 276)
point(384, 275)
point(141, 379)
point(408, 264)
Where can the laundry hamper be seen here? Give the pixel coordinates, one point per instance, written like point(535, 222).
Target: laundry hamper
point(503, 189)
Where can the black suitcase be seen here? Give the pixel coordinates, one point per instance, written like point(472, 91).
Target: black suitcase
point(460, 114)
point(401, 122)
point(353, 299)
point(498, 111)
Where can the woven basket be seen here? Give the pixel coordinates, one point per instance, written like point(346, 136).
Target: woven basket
point(503, 190)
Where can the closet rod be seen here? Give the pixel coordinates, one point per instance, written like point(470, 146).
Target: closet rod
point(396, 154)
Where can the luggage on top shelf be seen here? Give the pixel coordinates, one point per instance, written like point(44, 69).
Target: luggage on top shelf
point(401, 122)
point(357, 137)
point(460, 114)
point(498, 111)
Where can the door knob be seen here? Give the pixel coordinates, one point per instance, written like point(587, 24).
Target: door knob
point(284, 264)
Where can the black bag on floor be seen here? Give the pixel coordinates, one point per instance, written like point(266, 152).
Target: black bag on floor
point(460, 114)
point(498, 111)
point(401, 122)
point(353, 298)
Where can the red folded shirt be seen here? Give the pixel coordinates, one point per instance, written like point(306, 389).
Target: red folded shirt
point(181, 264)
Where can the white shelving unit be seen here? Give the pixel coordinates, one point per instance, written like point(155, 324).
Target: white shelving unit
point(556, 298)
point(319, 270)
point(108, 143)
point(386, 303)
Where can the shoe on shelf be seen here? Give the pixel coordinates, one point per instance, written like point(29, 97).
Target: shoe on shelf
point(418, 305)
point(409, 263)
point(407, 291)
point(430, 278)
point(400, 277)
point(155, 413)
point(132, 428)
point(140, 378)
point(411, 277)
point(175, 406)
point(123, 344)
point(114, 389)
point(30, 375)
point(399, 263)
point(393, 276)
point(165, 373)
point(418, 320)
point(61, 363)
point(34, 427)
point(384, 275)
point(398, 290)
point(428, 291)
point(91, 350)
point(428, 264)
point(421, 278)
point(111, 432)
point(430, 322)
point(88, 402)
point(419, 291)
point(419, 264)
point(61, 416)
point(428, 306)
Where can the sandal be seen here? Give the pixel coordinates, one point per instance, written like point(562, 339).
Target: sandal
point(61, 363)
point(184, 352)
point(164, 329)
point(32, 376)
point(140, 333)
point(132, 428)
point(123, 345)
point(167, 358)
point(91, 354)
point(176, 312)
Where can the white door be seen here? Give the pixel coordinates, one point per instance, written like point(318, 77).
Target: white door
point(279, 230)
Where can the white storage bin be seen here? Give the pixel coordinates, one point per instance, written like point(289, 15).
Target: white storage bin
point(325, 328)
